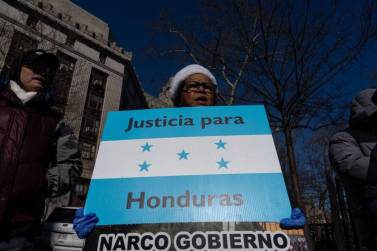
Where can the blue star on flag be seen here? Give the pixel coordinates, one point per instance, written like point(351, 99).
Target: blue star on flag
point(144, 166)
point(146, 147)
point(222, 163)
point(183, 155)
point(220, 144)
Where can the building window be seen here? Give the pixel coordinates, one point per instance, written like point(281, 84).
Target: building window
point(79, 189)
point(102, 58)
point(79, 193)
point(88, 150)
point(20, 44)
point(70, 40)
point(63, 79)
point(91, 127)
point(92, 114)
point(32, 21)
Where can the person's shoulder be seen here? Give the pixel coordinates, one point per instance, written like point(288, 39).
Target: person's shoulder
point(341, 136)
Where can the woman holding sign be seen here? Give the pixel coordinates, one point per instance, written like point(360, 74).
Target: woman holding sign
point(194, 85)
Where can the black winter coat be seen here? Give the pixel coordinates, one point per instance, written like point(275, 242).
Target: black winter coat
point(350, 154)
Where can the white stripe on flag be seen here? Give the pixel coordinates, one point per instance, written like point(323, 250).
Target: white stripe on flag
point(242, 154)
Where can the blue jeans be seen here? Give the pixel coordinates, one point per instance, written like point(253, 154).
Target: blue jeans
point(16, 244)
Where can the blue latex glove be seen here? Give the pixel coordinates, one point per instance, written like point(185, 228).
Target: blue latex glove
point(84, 224)
point(297, 220)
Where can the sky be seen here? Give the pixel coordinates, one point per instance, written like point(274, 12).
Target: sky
point(130, 23)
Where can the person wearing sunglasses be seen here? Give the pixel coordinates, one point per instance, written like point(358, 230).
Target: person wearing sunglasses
point(39, 154)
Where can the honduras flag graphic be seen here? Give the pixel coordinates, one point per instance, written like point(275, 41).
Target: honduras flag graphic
point(201, 164)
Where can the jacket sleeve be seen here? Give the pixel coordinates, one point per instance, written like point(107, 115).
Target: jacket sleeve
point(66, 168)
point(347, 158)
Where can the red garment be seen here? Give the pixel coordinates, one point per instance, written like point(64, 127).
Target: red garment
point(26, 135)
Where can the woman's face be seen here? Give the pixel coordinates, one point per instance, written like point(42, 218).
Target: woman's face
point(198, 90)
point(30, 80)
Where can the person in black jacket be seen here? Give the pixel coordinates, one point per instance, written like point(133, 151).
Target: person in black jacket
point(351, 154)
point(370, 194)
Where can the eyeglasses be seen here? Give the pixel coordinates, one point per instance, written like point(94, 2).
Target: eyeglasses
point(199, 86)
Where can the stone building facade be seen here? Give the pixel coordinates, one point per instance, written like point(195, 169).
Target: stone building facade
point(95, 75)
point(162, 100)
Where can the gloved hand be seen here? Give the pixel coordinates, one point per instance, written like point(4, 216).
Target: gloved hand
point(84, 224)
point(297, 220)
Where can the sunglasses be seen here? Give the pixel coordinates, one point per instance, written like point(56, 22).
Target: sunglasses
point(42, 69)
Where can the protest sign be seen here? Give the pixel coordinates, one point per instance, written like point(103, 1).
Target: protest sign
point(202, 178)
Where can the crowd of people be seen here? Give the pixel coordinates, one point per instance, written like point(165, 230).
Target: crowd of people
point(39, 154)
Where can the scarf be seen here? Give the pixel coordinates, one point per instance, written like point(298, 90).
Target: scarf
point(23, 95)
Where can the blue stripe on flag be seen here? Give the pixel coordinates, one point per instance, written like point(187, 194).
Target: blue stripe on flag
point(176, 122)
point(264, 198)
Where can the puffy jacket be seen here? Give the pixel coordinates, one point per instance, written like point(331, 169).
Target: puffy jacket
point(39, 157)
point(350, 152)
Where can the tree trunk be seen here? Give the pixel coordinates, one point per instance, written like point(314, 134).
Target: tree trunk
point(294, 182)
point(297, 201)
point(338, 231)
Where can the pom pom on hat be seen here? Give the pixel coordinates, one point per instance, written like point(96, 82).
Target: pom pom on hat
point(184, 73)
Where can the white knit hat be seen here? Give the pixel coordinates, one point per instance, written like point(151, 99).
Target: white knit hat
point(184, 73)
